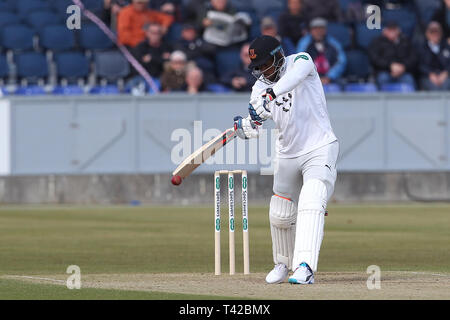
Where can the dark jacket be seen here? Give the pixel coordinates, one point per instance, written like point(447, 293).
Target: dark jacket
point(292, 27)
point(242, 71)
point(382, 53)
point(431, 62)
point(327, 9)
point(155, 66)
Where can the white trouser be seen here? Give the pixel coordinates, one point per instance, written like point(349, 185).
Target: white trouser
point(301, 242)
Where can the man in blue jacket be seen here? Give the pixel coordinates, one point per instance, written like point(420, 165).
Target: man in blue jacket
point(327, 53)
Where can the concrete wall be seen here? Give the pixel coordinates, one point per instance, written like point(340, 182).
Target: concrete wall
point(129, 135)
point(198, 189)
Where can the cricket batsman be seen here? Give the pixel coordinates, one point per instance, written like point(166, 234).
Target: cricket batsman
point(289, 92)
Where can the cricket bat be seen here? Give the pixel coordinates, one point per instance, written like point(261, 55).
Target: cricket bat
point(201, 155)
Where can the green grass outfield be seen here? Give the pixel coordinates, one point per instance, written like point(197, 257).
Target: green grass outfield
point(133, 240)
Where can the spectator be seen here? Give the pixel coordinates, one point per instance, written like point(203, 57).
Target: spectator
point(329, 57)
point(435, 59)
point(327, 9)
point(269, 28)
point(194, 80)
point(111, 9)
point(442, 16)
point(241, 78)
point(197, 50)
point(392, 56)
point(222, 25)
point(292, 23)
point(152, 52)
point(132, 19)
point(174, 75)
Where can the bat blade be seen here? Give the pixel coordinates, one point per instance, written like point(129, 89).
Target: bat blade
point(203, 153)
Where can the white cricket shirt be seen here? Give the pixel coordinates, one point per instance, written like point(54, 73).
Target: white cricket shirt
point(300, 109)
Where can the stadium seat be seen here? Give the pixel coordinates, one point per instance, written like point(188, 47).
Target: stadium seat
point(17, 37)
point(92, 38)
point(358, 65)
point(57, 38)
point(70, 90)
point(24, 7)
point(4, 67)
point(40, 19)
point(364, 36)
point(72, 66)
point(332, 88)
point(32, 90)
point(217, 88)
point(227, 59)
point(397, 87)
point(111, 65)
point(60, 6)
point(341, 33)
point(174, 33)
point(31, 65)
point(426, 9)
point(405, 18)
point(7, 18)
point(7, 6)
point(361, 87)
point(93, 5)
point(105, 90)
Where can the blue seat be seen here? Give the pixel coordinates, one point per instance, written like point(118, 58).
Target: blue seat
point(32, 90)
point(217, 88)
point(341, 33)
point(24, 7)
point(93, 5)
point(31, 65)
point(17, 37)
point(111, 65)
point(174, 33)
point(60, 6)
point(227, 59)
point(358, 65)
point(361, 87)
point(40, 19)
point(7, 18)
point(105, 90)
point(332, 88)
point(405, 18)
point(4, 67)
point(57, 38)
point(8, 6)
point(92, 38)
point(70, 90)
point(72, 65)
point(364, 36)
point(397, 87)
point(426, 9)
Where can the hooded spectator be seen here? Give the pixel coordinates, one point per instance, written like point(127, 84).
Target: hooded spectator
point(328, 55)
point(174, 75)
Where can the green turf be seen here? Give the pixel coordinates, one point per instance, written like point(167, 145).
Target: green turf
point(171, 239)
point(20, 290)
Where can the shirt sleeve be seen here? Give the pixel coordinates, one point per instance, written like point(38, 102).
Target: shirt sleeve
point(302, 67)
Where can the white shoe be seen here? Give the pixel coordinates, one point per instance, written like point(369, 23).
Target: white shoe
point(278, 274)
point(302, 275)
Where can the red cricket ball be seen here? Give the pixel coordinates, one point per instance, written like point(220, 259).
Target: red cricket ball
point(176, 180)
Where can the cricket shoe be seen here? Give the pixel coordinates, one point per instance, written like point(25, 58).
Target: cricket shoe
point(302, 275)
point(278, 274)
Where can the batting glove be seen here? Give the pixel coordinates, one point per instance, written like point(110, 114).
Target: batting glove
point(259, 109)
point(245, 128)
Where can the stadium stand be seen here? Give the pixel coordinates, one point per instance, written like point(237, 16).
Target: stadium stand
point(31, 28)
